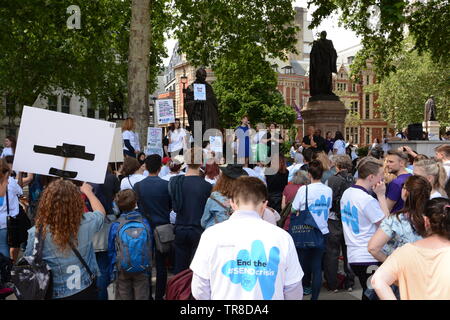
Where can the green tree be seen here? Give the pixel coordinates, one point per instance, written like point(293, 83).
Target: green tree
point(382, 25)
point(235, 38)
point(248, 86)
point(402, 95)
point(212, 29)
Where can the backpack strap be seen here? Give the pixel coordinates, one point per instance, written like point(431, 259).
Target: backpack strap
point(306, 201)
point(220, 203)
point(7, 200)
point(91, 275)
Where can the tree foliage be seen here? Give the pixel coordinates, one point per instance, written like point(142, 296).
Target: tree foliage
point(40, 54)
point(402, 95)
point(383, 25)
point(235, 38)
point(248, 86)
point(211, 29)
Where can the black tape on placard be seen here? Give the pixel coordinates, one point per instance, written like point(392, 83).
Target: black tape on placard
point(66, 151)
point(63, 173)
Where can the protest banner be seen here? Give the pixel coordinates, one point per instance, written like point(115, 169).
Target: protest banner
point(154, 141)
point(64, 145)
point(199, 91)
point(165, 113)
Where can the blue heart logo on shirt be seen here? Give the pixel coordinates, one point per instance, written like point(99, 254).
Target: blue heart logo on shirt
point(249, 267)
point(321, 206)
point(350, 217)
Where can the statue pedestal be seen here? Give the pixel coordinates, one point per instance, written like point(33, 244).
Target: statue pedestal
point(326, 115)
point(433, 129)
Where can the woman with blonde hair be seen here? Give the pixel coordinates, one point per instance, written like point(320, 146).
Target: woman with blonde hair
point(328, 168)
point(434, 172)
point(67, 231)
point(130, 142)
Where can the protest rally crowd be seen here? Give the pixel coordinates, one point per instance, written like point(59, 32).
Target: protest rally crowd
point(232, 231)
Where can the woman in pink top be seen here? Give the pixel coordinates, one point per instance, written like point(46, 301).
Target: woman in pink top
point(290, 191)
point(421, 269)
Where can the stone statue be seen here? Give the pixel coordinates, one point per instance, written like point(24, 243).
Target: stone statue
point(430, 110)
point(322, 63)
point(202, 110)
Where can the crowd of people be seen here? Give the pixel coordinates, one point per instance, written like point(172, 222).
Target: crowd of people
point(235, 226)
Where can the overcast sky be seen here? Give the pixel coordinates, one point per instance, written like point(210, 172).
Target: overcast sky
point(342, 38)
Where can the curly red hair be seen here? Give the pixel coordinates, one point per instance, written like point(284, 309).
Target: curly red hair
point(60, 211)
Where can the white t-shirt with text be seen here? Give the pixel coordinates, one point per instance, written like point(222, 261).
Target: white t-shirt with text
point(256, 263)
point(339, 145)
point(129, 135)
point(360, 212)
point(319, 203)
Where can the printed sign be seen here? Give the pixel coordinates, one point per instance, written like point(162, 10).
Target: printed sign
point(165, 113)
point(154, 141)
point(216, 144)
point(199, 91)
point(59, 144)
point(117, 147)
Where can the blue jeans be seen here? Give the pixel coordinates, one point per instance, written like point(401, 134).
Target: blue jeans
point(311, 262)
point(103, 280)
point(186, 242)
point(161, 274)
point(4, 248)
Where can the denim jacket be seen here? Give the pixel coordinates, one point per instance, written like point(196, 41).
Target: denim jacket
point(69, 275)
point(214, 212)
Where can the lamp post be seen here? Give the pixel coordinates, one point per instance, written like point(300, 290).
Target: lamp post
point(153, 111)
point(184, 81)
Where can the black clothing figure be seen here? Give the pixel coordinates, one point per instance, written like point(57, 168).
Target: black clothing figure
point(322, 63)
point(205, 111)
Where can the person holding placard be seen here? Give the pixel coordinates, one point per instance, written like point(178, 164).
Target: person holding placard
point(177, 139)
point(129, 139)
point(67, 233)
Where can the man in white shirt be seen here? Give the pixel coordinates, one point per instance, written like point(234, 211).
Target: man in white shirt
point(245, 257)
point(443, 154)
point(361, 215)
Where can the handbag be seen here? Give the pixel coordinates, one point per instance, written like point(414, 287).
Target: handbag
point(304, 230)
point(164, 236)
point(32, 277)
point(17, 227)
point(100, 239)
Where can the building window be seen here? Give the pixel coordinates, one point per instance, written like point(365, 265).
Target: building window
point(10, 106)
point(302, 85)
point(353, 87)
point(53, 103)
point(352, 134)
point(288, 96)
point(65, 104)
point(367, 136)
point(367, 80)
point(342, 86)
point(350, 59)
point(367, 106)
point(293, 97)
point(354, 107)
point(102, 113)
point(90, 109)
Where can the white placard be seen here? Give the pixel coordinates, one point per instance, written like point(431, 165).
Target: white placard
point(154, 141)
point(164, 111)
point(117, 147)
point(216, 144)
point(199, 91)
point(40, 127)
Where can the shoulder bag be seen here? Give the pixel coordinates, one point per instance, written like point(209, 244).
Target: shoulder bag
point(304, 230)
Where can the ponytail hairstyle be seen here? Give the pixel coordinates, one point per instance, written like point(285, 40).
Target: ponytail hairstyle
point(435, 169)
point(419, 190)
point(438, 212)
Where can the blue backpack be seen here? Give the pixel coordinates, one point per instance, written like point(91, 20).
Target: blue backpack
point(133, 243)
